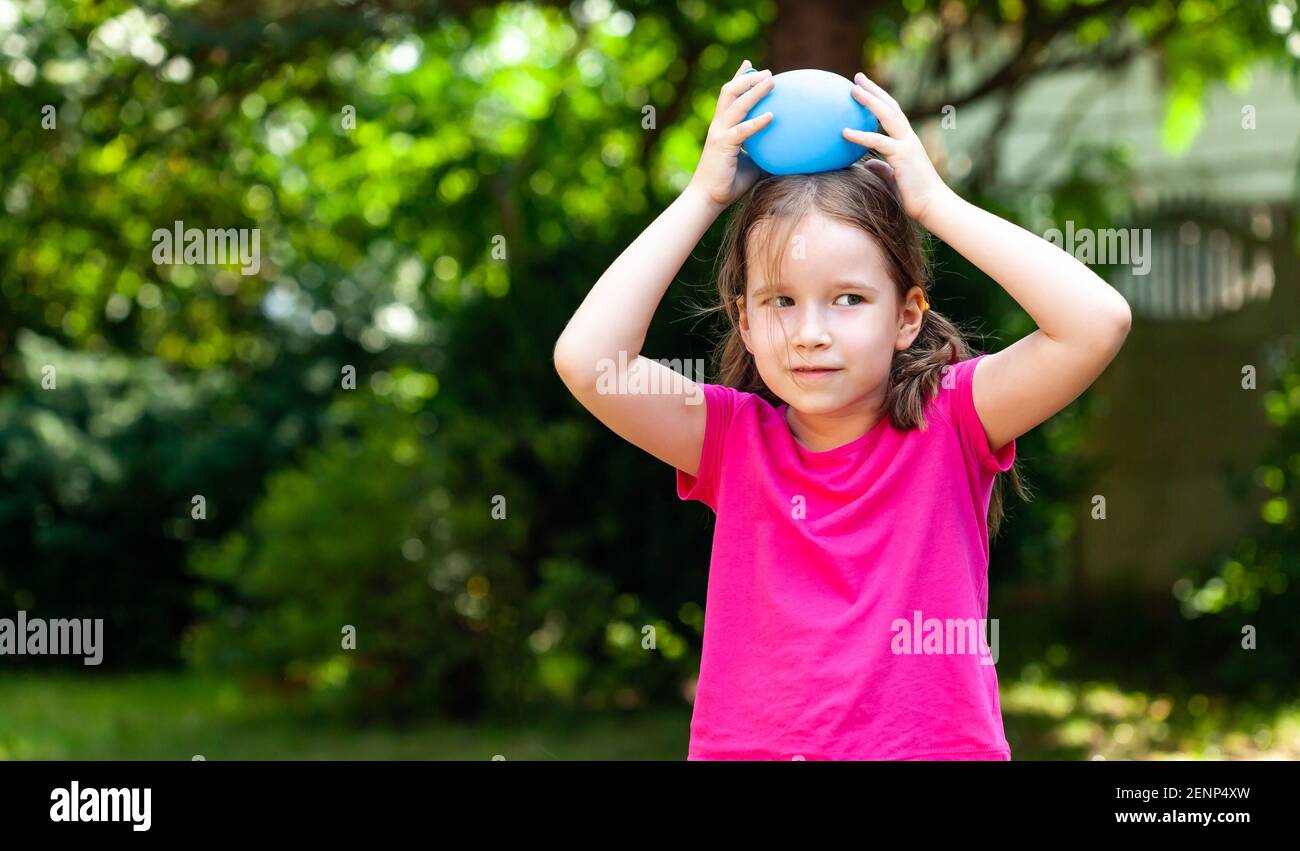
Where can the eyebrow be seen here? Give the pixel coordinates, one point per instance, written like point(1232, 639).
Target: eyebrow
point(847, 284)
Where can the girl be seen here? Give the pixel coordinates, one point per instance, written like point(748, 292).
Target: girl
point(850, 450)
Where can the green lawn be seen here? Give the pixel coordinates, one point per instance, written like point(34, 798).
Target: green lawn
point(171, 716)
point(178, 716)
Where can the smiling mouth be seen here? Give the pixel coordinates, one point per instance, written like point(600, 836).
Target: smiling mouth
point(803, 370)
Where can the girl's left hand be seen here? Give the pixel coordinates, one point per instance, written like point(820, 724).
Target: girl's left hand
point(919, 185)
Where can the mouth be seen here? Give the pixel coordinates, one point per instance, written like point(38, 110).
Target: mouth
point(815, 372)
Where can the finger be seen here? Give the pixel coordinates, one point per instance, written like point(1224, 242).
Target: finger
point(872, 86)
point(879, 90)
point(885, 172)
point(743, 104)
point(891, 119)
point(882, 167)
point(744, 66)
point(747, 168)
point(875, 141)
point(737, 86)
point(742, 131)
point(889, 116)
point(885, 109)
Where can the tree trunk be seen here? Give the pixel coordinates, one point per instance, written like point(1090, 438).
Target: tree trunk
point(825, 34)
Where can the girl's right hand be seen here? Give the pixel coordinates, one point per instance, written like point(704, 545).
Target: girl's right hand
point(724, 172)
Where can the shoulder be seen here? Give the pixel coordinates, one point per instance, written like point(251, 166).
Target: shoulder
point(955, 380)
point(731, 416)
point(728, 403)
point(959, 372)
point(955, 402)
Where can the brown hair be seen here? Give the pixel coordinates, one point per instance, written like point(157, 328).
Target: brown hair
point(856, 196)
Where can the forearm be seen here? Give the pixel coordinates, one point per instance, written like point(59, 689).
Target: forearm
point(1067, 301)
point(616, 313)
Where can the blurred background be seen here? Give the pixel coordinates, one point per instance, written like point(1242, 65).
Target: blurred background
point(344, 508)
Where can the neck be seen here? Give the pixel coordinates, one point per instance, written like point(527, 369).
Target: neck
point(823, 432)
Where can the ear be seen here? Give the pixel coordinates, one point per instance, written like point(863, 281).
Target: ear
point(909, 318)
point(744, 323)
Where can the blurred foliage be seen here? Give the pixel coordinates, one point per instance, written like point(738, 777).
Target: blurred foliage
point(500, 157)
point(102, 455)
point(365, 534)
point(1251, 592)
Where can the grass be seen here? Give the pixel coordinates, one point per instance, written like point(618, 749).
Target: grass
point(179, 716)
point(1063, 720)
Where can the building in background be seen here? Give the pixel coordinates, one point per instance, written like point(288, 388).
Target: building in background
point(1176, 432)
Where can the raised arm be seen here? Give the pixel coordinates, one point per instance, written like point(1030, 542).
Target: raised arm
point(609, 328)
point(1082, 321)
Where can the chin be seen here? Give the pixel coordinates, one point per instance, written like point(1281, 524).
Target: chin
point(813, 401)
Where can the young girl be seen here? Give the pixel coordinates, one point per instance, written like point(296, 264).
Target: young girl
point(851, 448)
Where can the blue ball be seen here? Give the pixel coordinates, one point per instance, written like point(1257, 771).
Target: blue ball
point(810, 109)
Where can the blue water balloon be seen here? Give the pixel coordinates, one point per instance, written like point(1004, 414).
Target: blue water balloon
point(810, 109)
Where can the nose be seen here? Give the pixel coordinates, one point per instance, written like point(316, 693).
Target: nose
point(810, 331)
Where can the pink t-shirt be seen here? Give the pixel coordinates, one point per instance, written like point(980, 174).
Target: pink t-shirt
point(846, 586)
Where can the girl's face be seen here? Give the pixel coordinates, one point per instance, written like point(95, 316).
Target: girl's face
point(834, 306)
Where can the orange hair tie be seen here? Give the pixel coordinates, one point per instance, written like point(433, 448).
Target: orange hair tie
point(925, 304)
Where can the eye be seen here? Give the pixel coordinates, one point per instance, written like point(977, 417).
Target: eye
point(859, 298)
point(777, 298)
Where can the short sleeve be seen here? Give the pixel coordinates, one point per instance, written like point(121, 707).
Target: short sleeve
point(959, 380)
point(720, 404)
